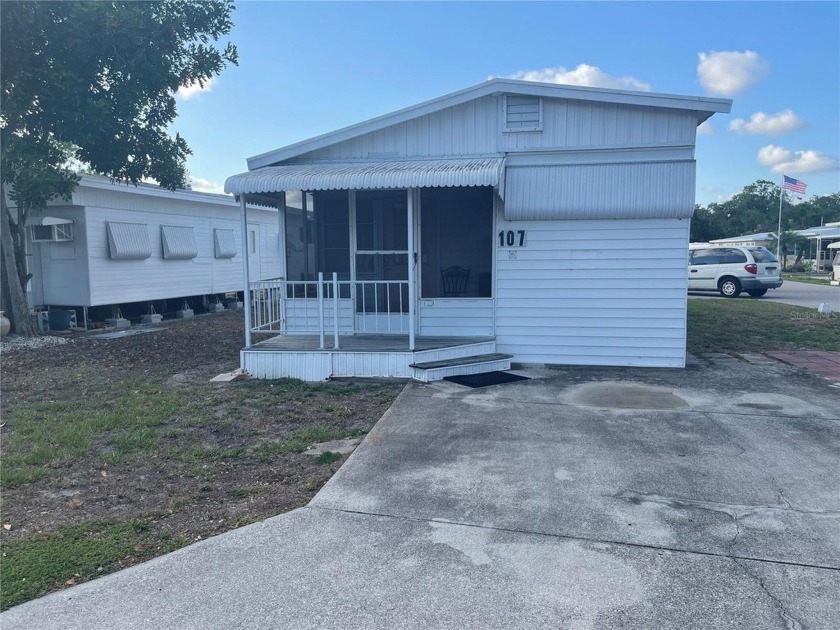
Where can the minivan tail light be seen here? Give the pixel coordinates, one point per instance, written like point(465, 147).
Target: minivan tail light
point(751, 268)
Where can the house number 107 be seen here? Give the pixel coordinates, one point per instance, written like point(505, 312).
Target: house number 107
point(511, 238)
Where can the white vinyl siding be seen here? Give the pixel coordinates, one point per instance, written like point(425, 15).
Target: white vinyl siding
point(60, 269)
point(155, 278)
point(477, 128)
point(578, 124)
point(594, 293)
point(128, 241)
point(467, 129)
point(600, 191)
point(224, 243)
point(178, 242)
point(459, 317)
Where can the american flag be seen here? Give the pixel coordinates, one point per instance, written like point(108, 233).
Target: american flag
point(796, 185)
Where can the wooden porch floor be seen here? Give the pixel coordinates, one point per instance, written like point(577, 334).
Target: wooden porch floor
point(361, 343)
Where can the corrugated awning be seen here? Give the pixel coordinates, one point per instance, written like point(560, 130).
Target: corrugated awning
point(369, 175)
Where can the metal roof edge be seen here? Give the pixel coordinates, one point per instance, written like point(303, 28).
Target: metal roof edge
point(100, 182)
point(705, 105)
point(373, 124)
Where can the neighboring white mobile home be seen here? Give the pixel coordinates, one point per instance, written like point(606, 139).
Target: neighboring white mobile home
point(512, 220)
point(115, 244)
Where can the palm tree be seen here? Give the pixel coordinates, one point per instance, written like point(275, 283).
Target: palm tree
point(789, 240)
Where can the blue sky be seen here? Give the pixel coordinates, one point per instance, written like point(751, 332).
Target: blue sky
point(310, 68)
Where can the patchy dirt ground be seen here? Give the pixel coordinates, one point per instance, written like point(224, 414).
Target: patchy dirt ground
point(130, 429)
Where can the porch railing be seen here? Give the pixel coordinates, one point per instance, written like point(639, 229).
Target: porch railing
point(331, 307)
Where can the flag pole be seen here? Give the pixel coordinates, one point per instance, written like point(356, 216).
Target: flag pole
point(779, 232)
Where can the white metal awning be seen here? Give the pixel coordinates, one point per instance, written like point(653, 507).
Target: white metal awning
point(600, 191)
point(50, 221)
point(369, 175)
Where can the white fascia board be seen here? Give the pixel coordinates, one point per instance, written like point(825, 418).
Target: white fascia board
point(704, 106)
point(601, 155)
point(103, 183)
point(625, 97)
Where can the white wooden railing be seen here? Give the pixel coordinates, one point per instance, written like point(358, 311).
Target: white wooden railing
point(331, 307)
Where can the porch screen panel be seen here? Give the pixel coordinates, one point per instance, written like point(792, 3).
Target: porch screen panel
point(456, 229)
point(382, 251)
point(390, 292)
point(317, 239)
point(332, 219)
point(300, 239)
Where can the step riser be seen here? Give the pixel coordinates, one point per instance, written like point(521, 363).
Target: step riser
point(436, 374)
point(456, 352)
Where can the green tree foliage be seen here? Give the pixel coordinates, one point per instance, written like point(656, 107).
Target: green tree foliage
point(790, 242)
point(756, 209)
point(94, 81)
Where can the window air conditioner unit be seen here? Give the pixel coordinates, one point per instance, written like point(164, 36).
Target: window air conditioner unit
point(52, 229)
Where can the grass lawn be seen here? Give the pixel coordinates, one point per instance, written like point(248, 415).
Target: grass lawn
point(116, 451)
point(756, 326)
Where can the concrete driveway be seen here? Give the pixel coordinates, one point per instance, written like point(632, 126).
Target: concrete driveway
point(584, 498)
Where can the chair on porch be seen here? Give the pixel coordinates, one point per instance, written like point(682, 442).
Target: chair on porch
point(454, 280)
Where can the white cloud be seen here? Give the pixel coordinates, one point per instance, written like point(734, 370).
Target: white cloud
point(781, 160)
point(706, 128)
point(729, 72)
point(200, 184)
point(194, 89)
point(768, 124)
point(771, 154)
point(584, 75)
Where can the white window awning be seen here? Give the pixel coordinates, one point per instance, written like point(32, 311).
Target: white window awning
point(128, 241)
point(371, 175)
point(50, 221)
point(178, 242)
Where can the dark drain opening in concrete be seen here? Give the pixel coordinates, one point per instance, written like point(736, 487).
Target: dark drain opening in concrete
point(486, 379)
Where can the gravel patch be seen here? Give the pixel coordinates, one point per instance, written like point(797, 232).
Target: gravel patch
point(15, 343)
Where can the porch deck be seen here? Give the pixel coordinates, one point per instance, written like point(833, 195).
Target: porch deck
point(298, 356)
point(362, 343)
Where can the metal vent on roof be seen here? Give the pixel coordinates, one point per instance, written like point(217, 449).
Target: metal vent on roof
point(128, 241)
point(523, 113)
point(178, 242)
point(225, 243)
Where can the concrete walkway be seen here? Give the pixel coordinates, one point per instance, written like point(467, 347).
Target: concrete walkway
point(584, 498)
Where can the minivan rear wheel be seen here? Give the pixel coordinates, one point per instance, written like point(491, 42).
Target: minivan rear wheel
point(757, 292)
point(729, 287)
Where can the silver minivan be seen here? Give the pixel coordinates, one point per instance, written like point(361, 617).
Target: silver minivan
point(731, 270)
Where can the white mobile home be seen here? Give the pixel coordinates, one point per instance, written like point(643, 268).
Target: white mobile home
point(115, 244)
point(511, 220)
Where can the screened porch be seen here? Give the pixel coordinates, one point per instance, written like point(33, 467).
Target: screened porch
point(392, 263)
point(387, 262)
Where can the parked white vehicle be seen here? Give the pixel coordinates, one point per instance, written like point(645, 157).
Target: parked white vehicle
point(731, 270)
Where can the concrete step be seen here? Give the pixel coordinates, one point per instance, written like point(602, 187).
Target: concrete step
point(476, 364)
point(476, 358)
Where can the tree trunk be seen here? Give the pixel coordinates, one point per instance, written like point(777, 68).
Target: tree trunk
point(13, 273)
